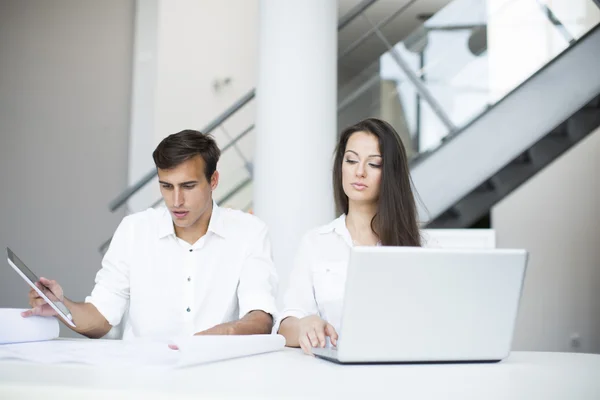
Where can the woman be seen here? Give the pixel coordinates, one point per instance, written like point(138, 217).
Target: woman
point(372, 189)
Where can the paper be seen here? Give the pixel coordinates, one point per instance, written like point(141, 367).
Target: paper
point(142, 352)
point(107, 353)
point(16, 329)
point(202, 349)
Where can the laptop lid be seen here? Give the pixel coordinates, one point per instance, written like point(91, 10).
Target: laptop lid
point(408, 304)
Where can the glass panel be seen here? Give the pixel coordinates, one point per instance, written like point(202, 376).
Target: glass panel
point(577, 16)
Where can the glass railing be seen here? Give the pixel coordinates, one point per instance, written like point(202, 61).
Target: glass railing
point(449, 68)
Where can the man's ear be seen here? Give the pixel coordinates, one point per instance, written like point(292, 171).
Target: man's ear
point(214, 180)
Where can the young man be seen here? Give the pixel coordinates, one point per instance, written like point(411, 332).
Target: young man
point(187, 268)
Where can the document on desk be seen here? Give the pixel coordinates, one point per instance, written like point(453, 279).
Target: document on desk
point(143, 352)
point(16, 329)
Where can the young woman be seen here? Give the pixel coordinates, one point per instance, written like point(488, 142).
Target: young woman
point(373, 193)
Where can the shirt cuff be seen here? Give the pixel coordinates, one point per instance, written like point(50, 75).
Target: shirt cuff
point(106, 308)
point(290, 312)
point(266, 305)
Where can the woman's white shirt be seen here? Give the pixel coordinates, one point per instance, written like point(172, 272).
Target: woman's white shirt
point(318, 278)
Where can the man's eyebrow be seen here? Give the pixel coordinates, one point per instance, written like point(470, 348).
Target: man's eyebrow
point(180, 184)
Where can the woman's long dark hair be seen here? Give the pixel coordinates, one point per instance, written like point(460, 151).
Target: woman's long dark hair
point(395, 221)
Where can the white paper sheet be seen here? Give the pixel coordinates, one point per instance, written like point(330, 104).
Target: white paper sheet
point(143, 353)
point(16, 329)
point(203, 349)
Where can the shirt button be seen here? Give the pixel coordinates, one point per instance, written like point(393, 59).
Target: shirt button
point(188, 309)
point(189, 278)
point(191, 250)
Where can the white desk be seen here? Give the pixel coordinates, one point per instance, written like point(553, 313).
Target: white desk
point(289, 373)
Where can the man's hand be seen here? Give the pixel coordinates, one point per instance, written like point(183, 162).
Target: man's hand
point(254, 323)
point(227, 328)
point(38, 305)
point(312, 333)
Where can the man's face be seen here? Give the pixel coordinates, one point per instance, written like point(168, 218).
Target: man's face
point(186, 192)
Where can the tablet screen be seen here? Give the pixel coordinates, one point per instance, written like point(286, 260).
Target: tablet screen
point(34, 279)
point(17, 261)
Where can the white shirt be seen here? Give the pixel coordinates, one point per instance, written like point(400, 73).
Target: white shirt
point(172, 288)
point(318, 278)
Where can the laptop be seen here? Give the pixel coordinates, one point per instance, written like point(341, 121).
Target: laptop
point(428, 305)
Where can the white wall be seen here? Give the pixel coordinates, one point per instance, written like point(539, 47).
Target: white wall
point(556, 216)
point(65, 78)
point(182, 47)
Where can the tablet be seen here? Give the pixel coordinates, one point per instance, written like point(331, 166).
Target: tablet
point(29, 277)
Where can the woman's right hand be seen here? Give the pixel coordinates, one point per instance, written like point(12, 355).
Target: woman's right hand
point(313, 331)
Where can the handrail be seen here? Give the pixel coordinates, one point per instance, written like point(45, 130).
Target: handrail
point(122, 198)
point(354, 12)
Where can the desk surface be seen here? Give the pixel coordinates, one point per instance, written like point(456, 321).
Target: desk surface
point(289, 373)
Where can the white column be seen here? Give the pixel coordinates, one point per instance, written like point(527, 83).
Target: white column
point(296, 121)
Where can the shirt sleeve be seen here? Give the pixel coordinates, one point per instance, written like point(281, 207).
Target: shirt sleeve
point(111, 292)
point(258, 279)
point(299, 299)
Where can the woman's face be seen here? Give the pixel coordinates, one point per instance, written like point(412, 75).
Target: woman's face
point(361, 168)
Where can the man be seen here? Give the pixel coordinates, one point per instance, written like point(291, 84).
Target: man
point(187, 268)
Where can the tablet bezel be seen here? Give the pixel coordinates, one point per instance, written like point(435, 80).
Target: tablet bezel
point(14, 261)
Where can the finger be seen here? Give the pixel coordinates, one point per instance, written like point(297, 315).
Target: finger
point(35, 311)
point(33, 294)
point(321, 336)
point(330, 331)
point(45, 281)
point(27, 313)
point(305, 345)
point(312, 336)
point(51, 285)
point(37, 302)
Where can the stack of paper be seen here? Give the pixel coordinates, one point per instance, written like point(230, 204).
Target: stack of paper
point(16, 329)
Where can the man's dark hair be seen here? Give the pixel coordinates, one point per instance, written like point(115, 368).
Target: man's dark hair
point(182, 146)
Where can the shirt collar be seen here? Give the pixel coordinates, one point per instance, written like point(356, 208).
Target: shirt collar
point(338, 226)
point(215, 225)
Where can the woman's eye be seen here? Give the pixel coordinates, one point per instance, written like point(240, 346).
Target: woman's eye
point(351, 161)
point(375, 165)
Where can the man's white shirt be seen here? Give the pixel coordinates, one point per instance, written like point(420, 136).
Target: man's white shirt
point(170, 288)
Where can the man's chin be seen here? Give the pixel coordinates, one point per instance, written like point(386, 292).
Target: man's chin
point(181, 223)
